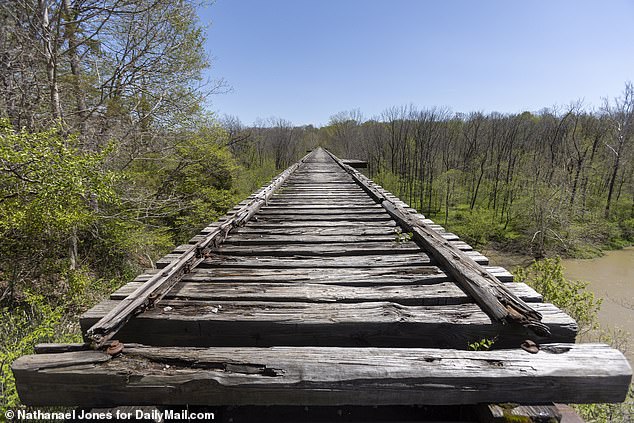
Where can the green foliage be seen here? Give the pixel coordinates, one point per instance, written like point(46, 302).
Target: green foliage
point(252, 176)
point(401, 236)
point(600, 413)
point(21, 328)
point(478, 226)
point(47, 183)
point(51, 191)
point(627, 229)
point(187, 186)
point(125, 246)
point(481, 345)
point(204, 177)
point(392, 183)
point(547, 277)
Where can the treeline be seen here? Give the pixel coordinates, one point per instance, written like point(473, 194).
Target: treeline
point(275, 141)
point(555, 181)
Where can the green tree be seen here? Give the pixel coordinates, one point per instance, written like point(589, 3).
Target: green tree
point(547, 277)
point(47, 184)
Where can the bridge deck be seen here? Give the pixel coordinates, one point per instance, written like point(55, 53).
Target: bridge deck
point(354, 311)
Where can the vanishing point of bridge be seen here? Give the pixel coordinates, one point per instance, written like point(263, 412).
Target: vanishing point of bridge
point(323, 289)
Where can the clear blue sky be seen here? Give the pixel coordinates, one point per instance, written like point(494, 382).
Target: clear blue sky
point(305, 60)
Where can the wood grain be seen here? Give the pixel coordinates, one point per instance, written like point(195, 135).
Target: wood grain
point(382, 324)
point(437, 294)
point(323, 376)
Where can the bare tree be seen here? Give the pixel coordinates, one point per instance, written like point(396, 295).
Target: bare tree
point(620, 114)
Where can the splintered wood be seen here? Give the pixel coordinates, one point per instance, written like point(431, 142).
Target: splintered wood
point(323, 376)
point(325, 296)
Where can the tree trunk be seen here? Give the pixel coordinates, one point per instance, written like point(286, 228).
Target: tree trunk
point(75, 68)
point(50, 54)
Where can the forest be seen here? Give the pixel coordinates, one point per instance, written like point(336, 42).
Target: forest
point(556, 181)
point(109, 157)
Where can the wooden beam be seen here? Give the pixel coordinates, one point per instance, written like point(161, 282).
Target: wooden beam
point(367, 261)
point(491, 294)
point(405, 276)
point(357, 164)
point(157, 286)
point(323, 376)
point(319, 250)
point(290, 291)
point(378, 323)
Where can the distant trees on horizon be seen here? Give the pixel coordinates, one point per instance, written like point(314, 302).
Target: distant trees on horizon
point(559, 179)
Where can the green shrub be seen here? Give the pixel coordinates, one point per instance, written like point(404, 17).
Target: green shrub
point(483, 344)
point(601, 413)
point(21, 328)
point(627, 229)
point(547, 277)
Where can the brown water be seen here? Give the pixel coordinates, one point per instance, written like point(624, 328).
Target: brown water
point(611, 277)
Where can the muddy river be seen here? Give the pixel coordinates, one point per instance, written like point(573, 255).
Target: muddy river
point(611, 277)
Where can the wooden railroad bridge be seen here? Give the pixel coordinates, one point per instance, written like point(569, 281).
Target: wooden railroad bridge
point(323, 289)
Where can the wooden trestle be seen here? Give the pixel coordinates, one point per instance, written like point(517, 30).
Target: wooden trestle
point(321, 299)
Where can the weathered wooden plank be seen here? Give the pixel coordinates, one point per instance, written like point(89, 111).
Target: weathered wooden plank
point(376, 274)
point(339, 207)
point(326, 230)
point(318, 230)
point(323, 376)
point(302, 261)
point(283, 218)
point(305, 235)
point(477, 257)
point(364, 248)
point(344, 187)
point(381, 324)
point(304, 222)
point(357, 195)
point(320, 223)
point(436, 294)
point(345, 199)
point(327, 188)
point(260, 239)
point(351, 276)
point(322, 203)
point(327, 212)
point(306, 251)
point(461, 245)
point(501, 273)
point(62, 348)
point(356, 163)
point(324, 184)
